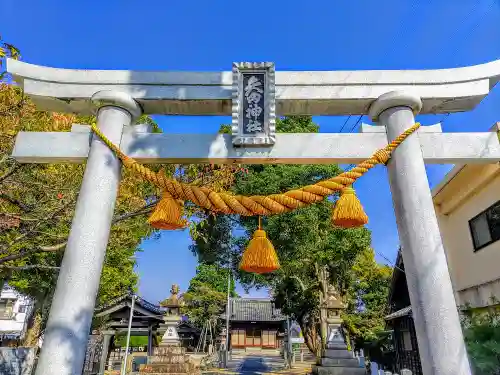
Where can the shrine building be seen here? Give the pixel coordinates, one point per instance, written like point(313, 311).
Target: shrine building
point(255, 324)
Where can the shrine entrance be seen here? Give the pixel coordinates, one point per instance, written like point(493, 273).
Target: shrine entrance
point(255, 324)
point(253, 337)
point(253, 94)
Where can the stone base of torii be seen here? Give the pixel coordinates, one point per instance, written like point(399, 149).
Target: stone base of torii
point(393, 100)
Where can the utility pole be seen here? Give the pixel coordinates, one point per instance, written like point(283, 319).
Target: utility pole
point(124, 367)
point(227, 315)
point(289, 347)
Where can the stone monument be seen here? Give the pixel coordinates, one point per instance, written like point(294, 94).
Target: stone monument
point(170, 357)
point(171, 318)
point(336, 358)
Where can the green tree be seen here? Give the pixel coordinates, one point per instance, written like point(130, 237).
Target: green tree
point(7, 50)
point(314, 256)
point(37, 204)
point(368, 294)
point(206, 296)
point(482, 338)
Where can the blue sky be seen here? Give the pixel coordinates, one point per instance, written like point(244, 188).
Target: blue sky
point(295, 34)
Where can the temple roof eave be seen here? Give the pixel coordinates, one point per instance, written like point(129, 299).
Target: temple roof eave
point(146, 308)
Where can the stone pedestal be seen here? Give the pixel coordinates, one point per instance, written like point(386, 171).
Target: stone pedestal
point(169, 360)
point(170, 336)
point(172, 318)
point(337, 360)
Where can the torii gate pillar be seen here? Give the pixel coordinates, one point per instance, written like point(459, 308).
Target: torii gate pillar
point(439, 334)
point(66, 335)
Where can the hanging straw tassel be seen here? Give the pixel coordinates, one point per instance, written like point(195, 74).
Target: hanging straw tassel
point(167, 214)
point(259, 256)
point(348, 211)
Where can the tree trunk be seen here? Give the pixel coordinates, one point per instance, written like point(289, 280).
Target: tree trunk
point(310, 328)
point(322, 275)
point(34, 327)
point(37, 319)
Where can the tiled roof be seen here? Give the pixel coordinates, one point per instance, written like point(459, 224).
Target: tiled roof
point(254, 310)
point(400, 313)
point(155, 309)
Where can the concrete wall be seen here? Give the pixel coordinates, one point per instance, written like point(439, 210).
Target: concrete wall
point(475, 274)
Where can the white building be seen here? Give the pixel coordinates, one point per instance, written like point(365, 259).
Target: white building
point(14, 309)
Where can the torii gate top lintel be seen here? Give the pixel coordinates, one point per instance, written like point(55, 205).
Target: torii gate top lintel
point(297, 92)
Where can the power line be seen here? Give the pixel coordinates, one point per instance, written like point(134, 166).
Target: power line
point(388, 260)
point(345, 123)
point(356, 124)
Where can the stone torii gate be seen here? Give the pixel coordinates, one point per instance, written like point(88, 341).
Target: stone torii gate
point(391, 98)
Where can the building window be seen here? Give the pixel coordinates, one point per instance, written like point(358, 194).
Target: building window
point(407, 345)
point(22, 309)
point(485, 227)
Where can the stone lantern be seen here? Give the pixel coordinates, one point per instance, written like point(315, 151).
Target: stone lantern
point(334, 307)
point(172, 317)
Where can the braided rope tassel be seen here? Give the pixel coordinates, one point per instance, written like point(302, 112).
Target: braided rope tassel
point(228, 203)
point(259, 256)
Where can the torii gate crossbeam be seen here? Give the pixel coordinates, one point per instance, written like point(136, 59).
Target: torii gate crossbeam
point(391, 98)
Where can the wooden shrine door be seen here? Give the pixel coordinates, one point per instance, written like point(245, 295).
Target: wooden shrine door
point(253, 338)
point(269, 339)
point(238, 338)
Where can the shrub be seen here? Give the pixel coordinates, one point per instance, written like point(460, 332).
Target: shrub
point(482, 337)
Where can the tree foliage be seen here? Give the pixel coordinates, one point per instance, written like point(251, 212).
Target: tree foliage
point(314, 256)
point(7, 50)
point(206, 296)
point(482, 337)
point(37, 203)
point(368, 293)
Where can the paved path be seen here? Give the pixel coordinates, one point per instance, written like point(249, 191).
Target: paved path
point(260, 363)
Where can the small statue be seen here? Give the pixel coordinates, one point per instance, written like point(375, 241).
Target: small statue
point(174, 300)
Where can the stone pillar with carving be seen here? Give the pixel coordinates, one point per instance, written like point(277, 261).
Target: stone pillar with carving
point(336, 359)
point(171, 318)
point(334, 307)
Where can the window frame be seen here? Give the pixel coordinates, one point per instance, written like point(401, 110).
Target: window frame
point(403, 341)
point(471, 231)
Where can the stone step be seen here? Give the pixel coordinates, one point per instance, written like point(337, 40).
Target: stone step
point(339, 345)
point(166, 368)
point(169, 358)
point(339, 362)
point(320, 370)
point(168, 350)
point(337, 353)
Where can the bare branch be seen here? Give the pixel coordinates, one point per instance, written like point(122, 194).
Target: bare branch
point(141, 211)
point(62, 245)
point(53, 248)
point(14, 201)
point(39, 249)
point(43, 220)
point(29, 267)
point(301, 283)
point(11, 171)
